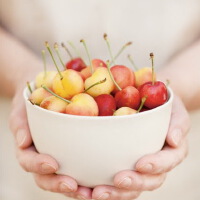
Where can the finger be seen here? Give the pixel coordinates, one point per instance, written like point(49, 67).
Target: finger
point(31, 161)
point(179, 124)
point(131, 180)
point(81, 193)
point(19, 125)
point(162, 161)
point(56, 183)
point(113, 193)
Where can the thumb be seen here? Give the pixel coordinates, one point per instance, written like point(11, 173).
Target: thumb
point(19, 123)
point(179, 124)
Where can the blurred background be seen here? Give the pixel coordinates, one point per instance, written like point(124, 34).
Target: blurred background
point(34, 22)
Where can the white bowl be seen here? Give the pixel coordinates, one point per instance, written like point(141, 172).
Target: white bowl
point(93, 149)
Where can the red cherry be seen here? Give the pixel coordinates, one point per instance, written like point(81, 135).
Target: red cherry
point(156, 93)
point(106, 104)
point(144, 109)
point(128, 97)
point(76, 64)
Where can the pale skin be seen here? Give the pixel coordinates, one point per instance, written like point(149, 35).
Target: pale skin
point(22, 65)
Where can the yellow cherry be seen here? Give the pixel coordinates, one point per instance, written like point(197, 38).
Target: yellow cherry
point(69, 85)
point(107, 87)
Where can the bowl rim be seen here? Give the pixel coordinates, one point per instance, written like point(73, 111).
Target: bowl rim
point(169, 101)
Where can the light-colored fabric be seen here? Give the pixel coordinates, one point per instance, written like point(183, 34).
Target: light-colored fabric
point(162, 27)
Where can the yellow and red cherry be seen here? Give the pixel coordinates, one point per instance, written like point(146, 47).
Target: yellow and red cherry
point(128, 96)
point(107, 87)
point(123, 75)
point(70, 84)
point(82, 104)
point(54, 103)
point(86, 72)
point(98, 63)
point(142, 75)
point(38, 95)
point(66, 83)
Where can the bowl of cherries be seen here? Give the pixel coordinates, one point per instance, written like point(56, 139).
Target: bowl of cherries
point(97, 119)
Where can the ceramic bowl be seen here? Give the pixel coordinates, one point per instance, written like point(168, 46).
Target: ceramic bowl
point(93, 149)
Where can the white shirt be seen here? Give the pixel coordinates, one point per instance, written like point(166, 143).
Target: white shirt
point(163, 27)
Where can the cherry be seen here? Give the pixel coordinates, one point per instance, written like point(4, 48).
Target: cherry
point(128, 97)
point(106, 104)
point(76, 64)
point(155, 91)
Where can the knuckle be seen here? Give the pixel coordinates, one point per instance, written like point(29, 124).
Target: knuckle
point(158, 183)
point(140, 186)
point(23, 164)
point(26, 164)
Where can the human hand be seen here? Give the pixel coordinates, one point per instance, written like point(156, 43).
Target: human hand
point(42, 166)
point(150, 171)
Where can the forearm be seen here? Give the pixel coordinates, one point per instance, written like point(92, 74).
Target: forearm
point(183, 72)
point(17, 64)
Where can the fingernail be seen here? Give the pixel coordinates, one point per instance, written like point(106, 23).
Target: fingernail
point(64, 187)
point(125, 183)
point(47, 168)
point(104, 196)
point(81, 197)
point(21, 137)
point(176, 136)
point(146, 168)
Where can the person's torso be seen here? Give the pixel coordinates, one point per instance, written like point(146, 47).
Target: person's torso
point(162, 27)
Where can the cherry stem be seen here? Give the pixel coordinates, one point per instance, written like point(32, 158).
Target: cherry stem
point(109, 48)
point(111, 76)
point(58, 54)
point(67, 50)
point(97, 83)
point(121, 50)
point(132, 62)
point(29, 87)
point(152, 63)
point(73, 47)
point(49, 49)
point(142, 104)
point(44, 62)
point(48, 90)
point(85, 46)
